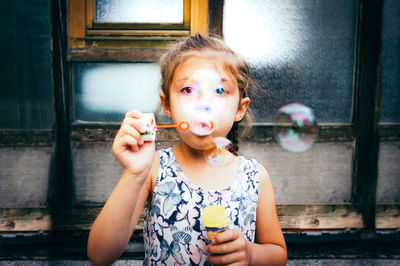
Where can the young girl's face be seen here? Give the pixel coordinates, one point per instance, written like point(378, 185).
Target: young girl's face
point(206, 96)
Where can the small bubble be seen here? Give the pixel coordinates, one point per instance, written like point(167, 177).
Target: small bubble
point(295, 127)
point(217, 152)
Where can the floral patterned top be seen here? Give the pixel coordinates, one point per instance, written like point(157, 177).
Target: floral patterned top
point(173, 233)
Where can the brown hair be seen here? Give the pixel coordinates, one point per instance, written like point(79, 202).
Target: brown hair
point(204, 46)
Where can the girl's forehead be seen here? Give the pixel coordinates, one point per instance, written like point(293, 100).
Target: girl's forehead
point(203, 68)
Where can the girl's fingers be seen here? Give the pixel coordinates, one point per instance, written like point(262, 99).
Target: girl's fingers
point(137, 124)
point(227, 247)
point(228, 235)
point(129, 141)
point(236, 264)
point(128, 129)
point(229, 258)
point(134, 114)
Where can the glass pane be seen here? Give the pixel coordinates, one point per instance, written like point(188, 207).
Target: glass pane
point(390, 97)
point(25, 65)
point(105, 92)
point(299, 51)
point(388, 187)
point(139, 11)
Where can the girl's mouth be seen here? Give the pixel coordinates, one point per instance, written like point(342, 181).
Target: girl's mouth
point(202, 128)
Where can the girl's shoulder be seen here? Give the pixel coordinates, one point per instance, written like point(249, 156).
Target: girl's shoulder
point(248, 164)
point(252, 165)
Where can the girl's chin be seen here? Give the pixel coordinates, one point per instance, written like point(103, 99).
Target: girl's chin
point(196, 142)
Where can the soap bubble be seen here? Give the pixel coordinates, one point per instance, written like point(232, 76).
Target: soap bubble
point(203, 98)
point(295, 127)
point(217, 152)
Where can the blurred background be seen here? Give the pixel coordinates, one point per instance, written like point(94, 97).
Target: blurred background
point(71, 69)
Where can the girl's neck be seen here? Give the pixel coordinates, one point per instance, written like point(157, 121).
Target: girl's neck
point(199, 172)
point(191, 155)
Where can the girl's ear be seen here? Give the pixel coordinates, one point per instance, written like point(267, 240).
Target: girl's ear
point(242, 108)
point(165, 104)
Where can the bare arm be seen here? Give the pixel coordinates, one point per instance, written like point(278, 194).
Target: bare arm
point(114, 225)
point(271, 246)
point(112, 228)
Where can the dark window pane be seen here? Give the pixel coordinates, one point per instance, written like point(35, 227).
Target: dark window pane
point(104, 92)
point(388, 187)
point(299, 51)
point(390, 97)
point(25, 68)
point(139, 11)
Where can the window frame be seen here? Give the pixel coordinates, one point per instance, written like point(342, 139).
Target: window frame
point(90, 40)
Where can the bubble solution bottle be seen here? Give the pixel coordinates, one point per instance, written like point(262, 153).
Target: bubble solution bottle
point(215, 219)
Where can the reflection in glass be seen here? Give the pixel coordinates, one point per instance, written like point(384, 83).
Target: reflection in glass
point(299, 51)
point(388, 187)
point(139, 11)
point(105, 92)
point(390, 75)
point(25, 70)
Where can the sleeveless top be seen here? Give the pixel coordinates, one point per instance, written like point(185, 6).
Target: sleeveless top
point(173, 232)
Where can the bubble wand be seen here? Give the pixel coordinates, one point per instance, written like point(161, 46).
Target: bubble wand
point(151, 127)
point(182, 125)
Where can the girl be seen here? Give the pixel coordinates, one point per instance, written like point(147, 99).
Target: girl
point(176, 184)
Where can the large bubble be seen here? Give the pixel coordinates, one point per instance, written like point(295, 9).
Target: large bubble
point(217, 152)
point(295, 127)
point(203, 98)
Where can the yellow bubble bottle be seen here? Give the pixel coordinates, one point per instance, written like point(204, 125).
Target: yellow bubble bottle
point(215, 219)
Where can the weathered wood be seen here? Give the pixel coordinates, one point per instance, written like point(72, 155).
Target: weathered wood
point(105, 131)
point(120, 44)
point(108, 134)
point(149, 34)
point(215, 16)
point(27, 233)
point(326, 133)
point(76, 10)
point(387, 217)
point(24, 219)
point(112, 55)
point(72, 245)
point(321, 217)
point(389, 132)
point(199, 17)
point(258, 132)
point(136, 37)
point(292, 218)
point(31, 138)
point(186, 13)
point(89, 13)
point(137, 26)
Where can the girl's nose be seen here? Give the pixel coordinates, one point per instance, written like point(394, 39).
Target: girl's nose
point(203, 107)
point(203, 103)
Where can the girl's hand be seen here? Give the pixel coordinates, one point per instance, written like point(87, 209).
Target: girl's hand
point(228, 248)
point(134, 155)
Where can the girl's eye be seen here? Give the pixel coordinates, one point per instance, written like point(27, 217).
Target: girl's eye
point(187, 90)
point(220, 91)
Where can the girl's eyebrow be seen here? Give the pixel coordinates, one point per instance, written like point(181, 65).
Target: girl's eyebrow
point(182, 79)
point(187, 79)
